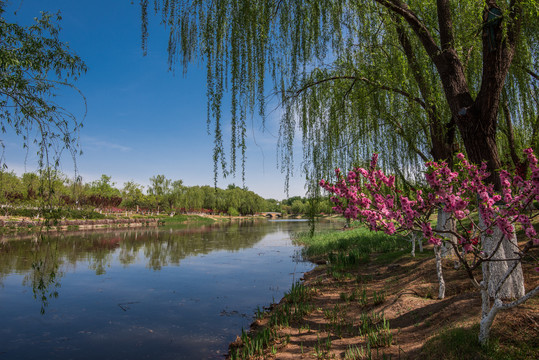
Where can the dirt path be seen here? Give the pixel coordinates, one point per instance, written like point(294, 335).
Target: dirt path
point(404, 294)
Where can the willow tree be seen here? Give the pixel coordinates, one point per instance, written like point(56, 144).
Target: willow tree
point(400, 77)
point(35, 66)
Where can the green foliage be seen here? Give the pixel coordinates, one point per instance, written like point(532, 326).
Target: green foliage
point(104, 187)
point(54, 188)
point(297, 207)
point(11, 187)
point(132, 195)
point(180, 220)
point(35, 66)
point(350, 247)
point(72, 214)
point(355, 77)
point(52, 214)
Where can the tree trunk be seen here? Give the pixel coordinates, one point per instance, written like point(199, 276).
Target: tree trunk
point(479, 135)
point(439, 272)
point(446, 223)
point(486, 322)
point(413, 244)
point(513, 288)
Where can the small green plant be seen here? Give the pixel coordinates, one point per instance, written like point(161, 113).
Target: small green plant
point(380, 334)
point(356, 353)
point(318, 348)
point(361, 296)
point(295, 308)
point(378, 297)
point(259, 313)
point(254, 344)
point(328, 343)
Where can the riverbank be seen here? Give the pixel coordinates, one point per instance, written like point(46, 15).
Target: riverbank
point(21, 225)
point(16, 226)
point(370, 299)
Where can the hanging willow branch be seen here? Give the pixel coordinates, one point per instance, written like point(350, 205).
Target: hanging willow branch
point(405, 50)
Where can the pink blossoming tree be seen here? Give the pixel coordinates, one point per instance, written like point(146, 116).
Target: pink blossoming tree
point(371, 196)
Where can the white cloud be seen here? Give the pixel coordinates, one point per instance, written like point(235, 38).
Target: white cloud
point(91, 142)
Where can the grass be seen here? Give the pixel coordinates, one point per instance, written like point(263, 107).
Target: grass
point(345, 253)
point(294, 308)
point(254, 344)
point(463, 344)
point(351, 247)
point(181, 219)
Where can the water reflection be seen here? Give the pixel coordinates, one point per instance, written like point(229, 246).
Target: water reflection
point(157, 246)
point(157, 292)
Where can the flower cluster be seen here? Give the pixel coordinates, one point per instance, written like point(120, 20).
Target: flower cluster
point(372, 197)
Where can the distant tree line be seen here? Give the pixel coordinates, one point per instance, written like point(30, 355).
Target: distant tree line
point(162, 195)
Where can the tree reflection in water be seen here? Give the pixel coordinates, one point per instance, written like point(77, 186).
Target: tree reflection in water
point(44, 276)
point(44, 258)
point(168, 292)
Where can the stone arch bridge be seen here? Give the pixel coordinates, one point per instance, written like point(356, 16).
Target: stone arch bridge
point(271, 215)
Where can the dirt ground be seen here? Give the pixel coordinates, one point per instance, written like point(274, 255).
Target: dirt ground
point(409, 287)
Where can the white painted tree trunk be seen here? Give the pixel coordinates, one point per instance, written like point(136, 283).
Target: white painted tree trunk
point(513, 286)
point(487, 317)
point(439, 273)
point(419, 241)
point(486, 322)
point(502, 280)
point(446, 223)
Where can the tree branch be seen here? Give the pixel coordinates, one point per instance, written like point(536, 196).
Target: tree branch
point(532, 74)
point(446, 24)
point(411, 143)
point(523, 299)
point(417, 25)
point(447, 62)
point(365, 80)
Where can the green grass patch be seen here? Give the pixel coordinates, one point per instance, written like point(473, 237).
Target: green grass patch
point(463, 344)
point(345, 249)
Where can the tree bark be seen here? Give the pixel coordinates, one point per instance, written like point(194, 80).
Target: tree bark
point(513, 287)
point(439, 272)
point(413, 244)
point(476, 118)
point(446, 226)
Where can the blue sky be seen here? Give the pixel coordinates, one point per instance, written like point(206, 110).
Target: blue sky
point(142, 120)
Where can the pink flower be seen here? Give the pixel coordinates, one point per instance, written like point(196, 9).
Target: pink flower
point(530, 232)
point(385, 208)
point(390, 229)
point(467, 247)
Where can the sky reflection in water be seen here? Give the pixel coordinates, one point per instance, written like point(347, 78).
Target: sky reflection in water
point(160, 294)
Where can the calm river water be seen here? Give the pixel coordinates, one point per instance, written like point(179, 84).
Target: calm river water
point(162, 293)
